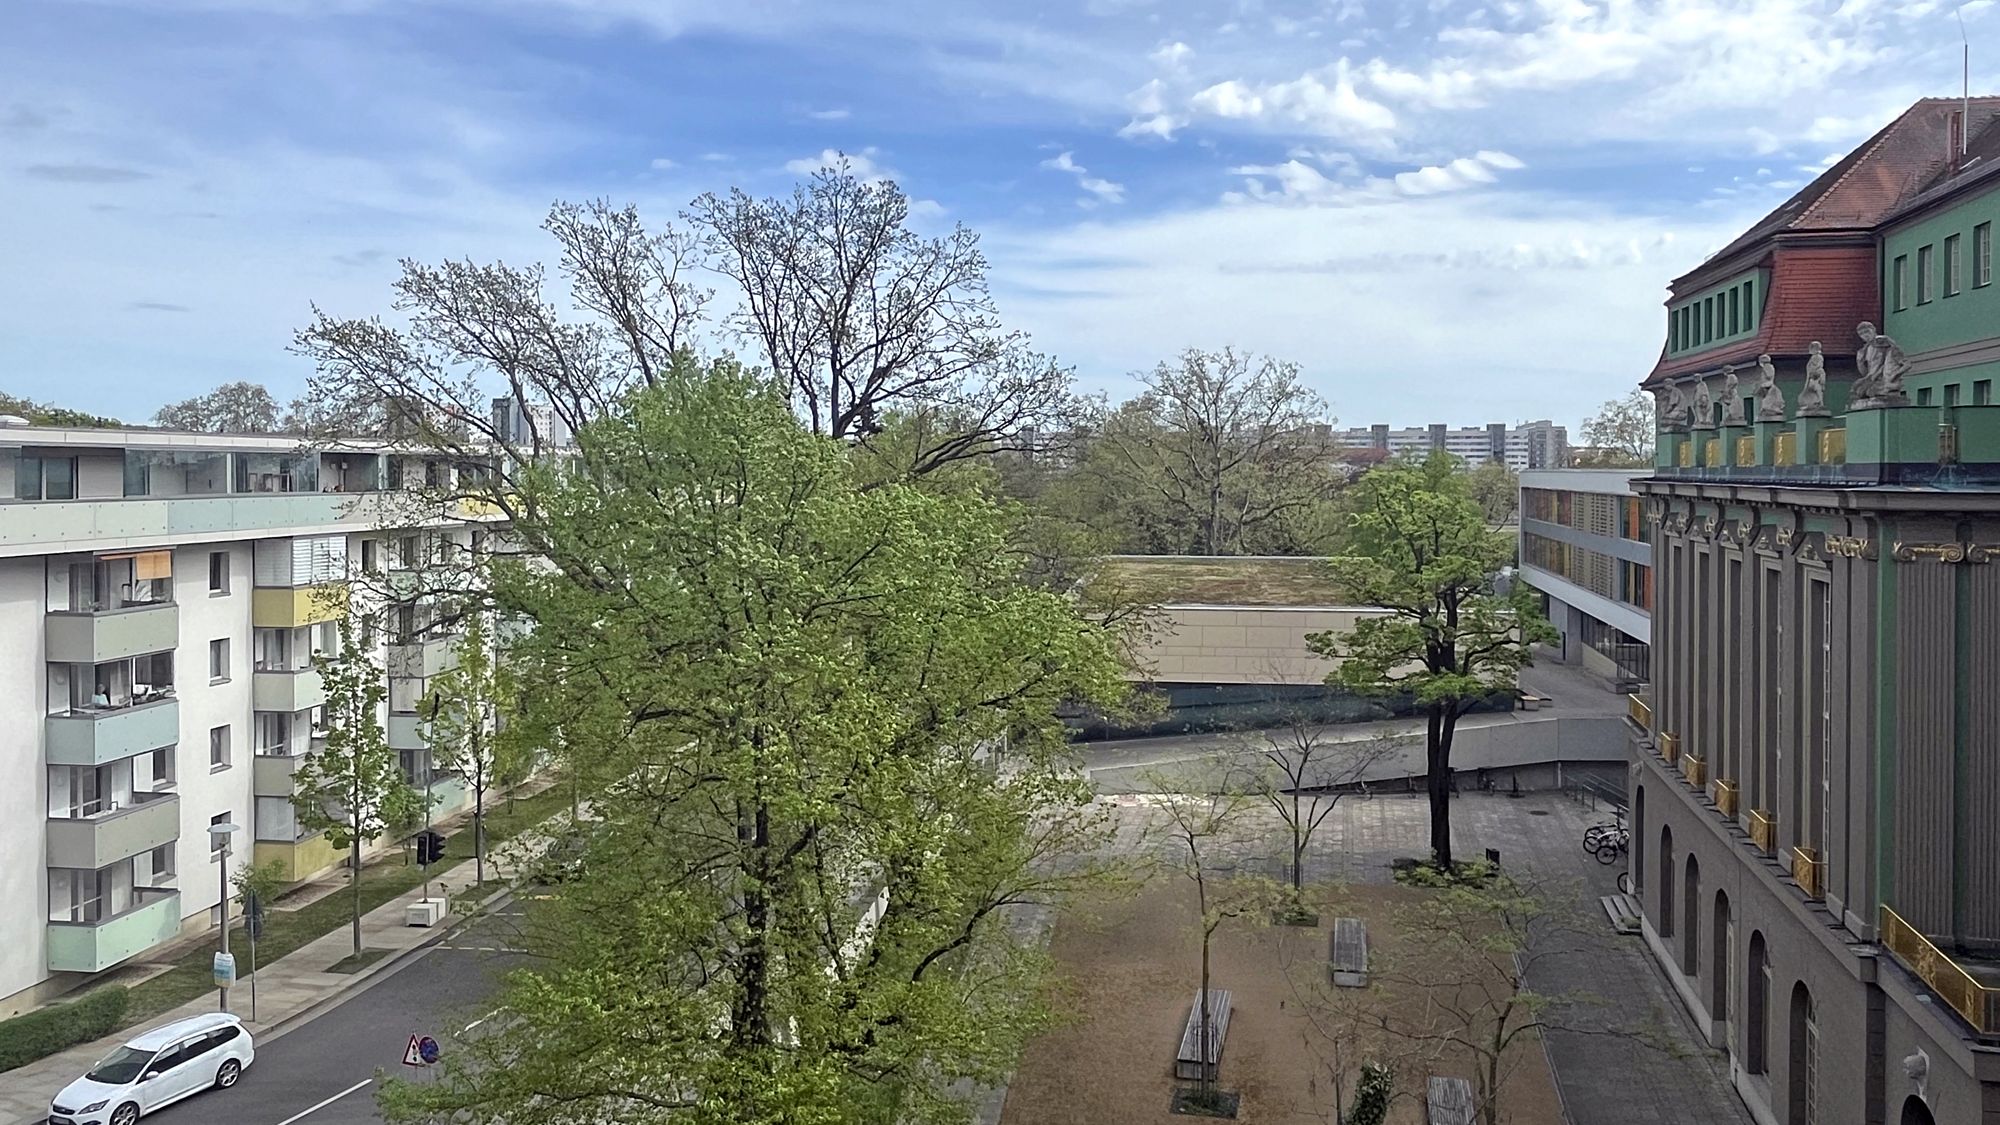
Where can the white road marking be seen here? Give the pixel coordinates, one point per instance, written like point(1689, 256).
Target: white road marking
point(327, 1102)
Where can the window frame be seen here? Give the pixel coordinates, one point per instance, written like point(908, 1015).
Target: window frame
point(1982, 255)
point(1899, 283)
point(218, 661)
point(218, 573)
point(215, 853)
point(1953, 264)
point(219, 748)
point(1925, 254)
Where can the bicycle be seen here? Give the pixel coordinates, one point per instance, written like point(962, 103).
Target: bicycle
point(1625, 882)
point(1596, 833)
point(1612, 845)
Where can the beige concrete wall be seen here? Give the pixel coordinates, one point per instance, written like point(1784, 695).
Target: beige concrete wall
point(1228, 644)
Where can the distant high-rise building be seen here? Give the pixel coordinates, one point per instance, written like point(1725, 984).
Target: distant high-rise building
point(1530, 445)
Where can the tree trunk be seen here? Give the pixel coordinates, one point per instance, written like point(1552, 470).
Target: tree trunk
point(1439, 783)
point(1201, 1051)
point(1298, 850)
point(354, 877)
point(478, 836)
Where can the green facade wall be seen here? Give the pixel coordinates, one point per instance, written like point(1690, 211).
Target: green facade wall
point(1714, 330)
point(1973, 313)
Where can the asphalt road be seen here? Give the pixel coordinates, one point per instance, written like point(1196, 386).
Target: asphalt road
point(326, 1071)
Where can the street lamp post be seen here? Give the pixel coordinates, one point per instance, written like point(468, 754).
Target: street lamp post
point(218, 837)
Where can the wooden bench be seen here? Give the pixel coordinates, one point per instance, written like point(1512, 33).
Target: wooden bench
point(1188, 1063)
point(1347, 953)
point(1623, 910)
point(1449, 1102)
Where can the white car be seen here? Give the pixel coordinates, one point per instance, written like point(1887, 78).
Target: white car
point(155, 1070)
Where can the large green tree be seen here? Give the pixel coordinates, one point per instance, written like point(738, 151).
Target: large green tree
point(1419, 548)
point(462, 704)
point(818, 716)
point(353, 788)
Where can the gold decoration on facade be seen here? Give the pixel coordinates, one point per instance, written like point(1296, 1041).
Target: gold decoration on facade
point(1850, 546)
point(1725, 797)
point(1978, 1003)
point(1686, 455)
point(1833, 446)
point(1784, 537)
point(1746, 450)
point(1809, 870)
point(1941, 552)
point(1711, 453)
point(1787, 451)
point(1764, 829)
point(1694, 767)
point(1670, 747)
point(1640, 710)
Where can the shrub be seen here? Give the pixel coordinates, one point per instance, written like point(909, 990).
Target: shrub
point(1371, 1096)
point(41, 1033)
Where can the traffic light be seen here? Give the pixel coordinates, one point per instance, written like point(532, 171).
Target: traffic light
point(430, 848)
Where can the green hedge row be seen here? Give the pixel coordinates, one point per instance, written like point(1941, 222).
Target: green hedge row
point(42, 1033)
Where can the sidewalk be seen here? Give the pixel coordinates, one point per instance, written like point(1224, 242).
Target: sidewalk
point(289, 990)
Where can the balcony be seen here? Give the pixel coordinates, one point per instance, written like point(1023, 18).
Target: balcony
point(1670, 747)
point(288, 607)
point(1972, 988)
point(1639, 709)
point(95, 738)
point(1764, 830)
point(54, 527)
point(423, 658)
point(91, 842)
point(1725, 797)
point(299, 859)
point(271, 774)
point(1694, 767)
point(1809, 870)
point(93, 638)
point(92, 947)
point(288, 691)
point(406, 732)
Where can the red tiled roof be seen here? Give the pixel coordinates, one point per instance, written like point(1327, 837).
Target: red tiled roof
point(1863, 187)
point(1817, 293)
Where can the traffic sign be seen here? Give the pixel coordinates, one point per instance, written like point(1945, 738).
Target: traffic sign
point(422, 1051)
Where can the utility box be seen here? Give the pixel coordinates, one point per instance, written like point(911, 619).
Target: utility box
point(424, 912)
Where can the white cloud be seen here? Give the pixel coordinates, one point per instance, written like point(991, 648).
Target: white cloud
point(662, 164)
point(1300, 183)
point(1173, 55)
point(1161, 125)
point(1100, 189)
point(862, 164)
point(840, 114)
point(1150, 98)
point(926, 209)
point(715, 157)
point(1323, 102)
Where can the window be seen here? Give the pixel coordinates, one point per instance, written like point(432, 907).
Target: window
point(1923, 275)
point(217, 844)
point(1982, 254)
point(1899, 281)
point(1805, 1057)
point(45, 478)
point(1708, 320)
point(1951, 394)
point(1750, 303)
point(161, 860)
point(406, 551)
point(218, 661)
point(218, 572)
point(395, 472)
point(1923, 396)
point(1982, 392)
point(218, 749)
point(161, 769)
point(370, 632)
point(371, 551)
point(1735, 312)
point(1951, 266)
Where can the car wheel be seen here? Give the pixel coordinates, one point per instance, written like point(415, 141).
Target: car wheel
point(226, 1075)
point(125, 1114)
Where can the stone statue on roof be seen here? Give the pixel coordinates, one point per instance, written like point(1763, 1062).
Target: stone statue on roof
point(1812, 399)
point(1880, 366)
point(1732, 404)
point(1673, 409)
point(1704, 406)
point(1770, 396)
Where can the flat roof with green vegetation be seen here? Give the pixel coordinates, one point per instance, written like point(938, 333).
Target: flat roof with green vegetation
point(1215, 580)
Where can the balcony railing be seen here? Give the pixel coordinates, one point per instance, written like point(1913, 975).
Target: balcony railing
point(1725, 797)
point(1639, 709)
point(1809, 870)
point(1695, 768)
point(1764, 829)
point(1670, 747)
point(1977, 1002)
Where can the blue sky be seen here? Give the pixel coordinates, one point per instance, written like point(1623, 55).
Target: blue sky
point(1454, 210)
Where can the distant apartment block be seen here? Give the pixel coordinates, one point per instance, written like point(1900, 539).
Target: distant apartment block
point(162, 596)
point(1530, 445)
point(1584, 547)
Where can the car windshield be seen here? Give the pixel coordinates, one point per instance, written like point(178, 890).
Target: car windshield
point(121, 1066)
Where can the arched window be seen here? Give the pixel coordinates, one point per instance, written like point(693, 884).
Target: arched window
point(1691, 920)
point(1915, 1112)
point(1719, 942)
point(1805, 1058)
point(1757, 979)
point(1665, 922)
point(1639, 835)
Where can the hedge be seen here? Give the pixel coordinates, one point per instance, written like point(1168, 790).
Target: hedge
point(45, 1031)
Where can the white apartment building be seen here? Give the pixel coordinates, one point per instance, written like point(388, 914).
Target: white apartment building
point(1530, 445)
point(161, 596)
